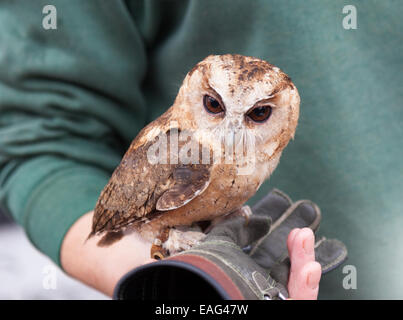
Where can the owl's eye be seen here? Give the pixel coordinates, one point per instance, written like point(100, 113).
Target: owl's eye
point(212, 105)
point(260, 114)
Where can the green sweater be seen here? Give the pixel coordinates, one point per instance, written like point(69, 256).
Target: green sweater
point(72, 99)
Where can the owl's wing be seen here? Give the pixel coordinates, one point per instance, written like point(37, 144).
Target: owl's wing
point(189, 182)
point(139, 189)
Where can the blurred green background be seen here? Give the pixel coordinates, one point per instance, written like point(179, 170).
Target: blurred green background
point(347, 155)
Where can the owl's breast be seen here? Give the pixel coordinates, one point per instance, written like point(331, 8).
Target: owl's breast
point(227, 183)
point(226, 192)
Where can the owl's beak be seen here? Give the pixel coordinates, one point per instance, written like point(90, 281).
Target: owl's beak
point(229, 136)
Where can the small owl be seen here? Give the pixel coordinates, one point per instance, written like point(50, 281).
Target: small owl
point(204, 157)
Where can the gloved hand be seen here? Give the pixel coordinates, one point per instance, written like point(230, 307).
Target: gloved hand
point(271, 253)
point(218, 268)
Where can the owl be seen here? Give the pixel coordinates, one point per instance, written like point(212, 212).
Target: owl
point(203, 158)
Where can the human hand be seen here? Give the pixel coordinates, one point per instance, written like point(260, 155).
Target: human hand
point(218, 268)
point(102, 268)
point(289, 250)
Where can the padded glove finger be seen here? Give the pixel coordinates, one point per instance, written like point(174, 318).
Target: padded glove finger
point(271, 252)
point(272, 248)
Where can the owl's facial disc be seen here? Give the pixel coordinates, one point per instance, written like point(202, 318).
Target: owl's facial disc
point(244, 97)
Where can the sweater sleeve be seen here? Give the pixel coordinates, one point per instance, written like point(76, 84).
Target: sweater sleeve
point(70, 102)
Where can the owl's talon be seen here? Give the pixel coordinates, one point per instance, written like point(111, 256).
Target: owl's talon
point(246, 212)
point(158, 252)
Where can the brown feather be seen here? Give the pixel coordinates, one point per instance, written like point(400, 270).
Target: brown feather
point(137, 186)
point(190, 181)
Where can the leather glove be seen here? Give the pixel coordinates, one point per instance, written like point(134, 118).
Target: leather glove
point(217, 268)
point(271, 252)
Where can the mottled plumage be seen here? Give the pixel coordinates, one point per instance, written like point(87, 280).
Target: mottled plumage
point(219, 106)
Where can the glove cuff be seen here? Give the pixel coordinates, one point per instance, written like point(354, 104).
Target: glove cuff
point(212, 274)
point(187, 277)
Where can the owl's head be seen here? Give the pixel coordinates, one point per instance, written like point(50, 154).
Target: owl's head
point(246, 97)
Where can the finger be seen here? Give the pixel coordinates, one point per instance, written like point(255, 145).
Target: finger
point(291, 238)
point(302, 250)
point(304, 284)
point(305, 272)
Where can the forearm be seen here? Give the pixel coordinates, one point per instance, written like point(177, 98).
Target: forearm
point(100, 267)
point(70, 101)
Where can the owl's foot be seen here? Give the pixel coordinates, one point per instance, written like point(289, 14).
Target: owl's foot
point(158, 252)
point(182, 239)
point(244, 212)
